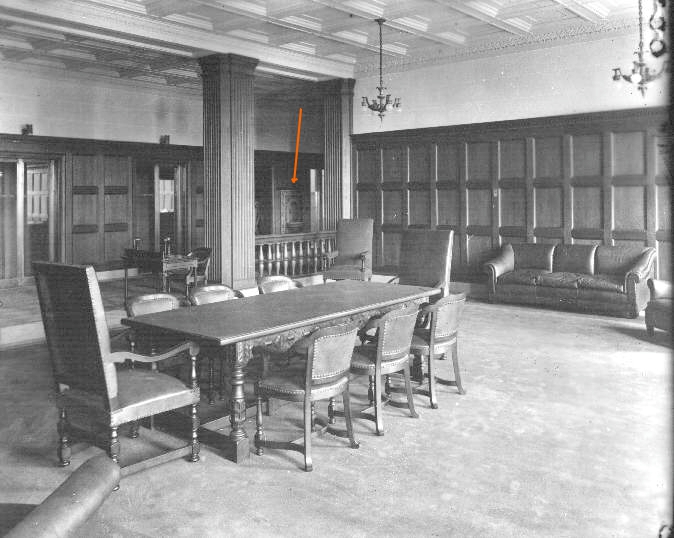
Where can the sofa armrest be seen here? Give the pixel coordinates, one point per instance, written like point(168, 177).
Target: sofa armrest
point(643, 267)
point(659, 288)
point(73, 502)
point(503, 263)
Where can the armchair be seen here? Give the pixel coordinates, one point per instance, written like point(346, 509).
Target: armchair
point(88, 382)
point(352, 259)
point(426, 259)
point(191, 278)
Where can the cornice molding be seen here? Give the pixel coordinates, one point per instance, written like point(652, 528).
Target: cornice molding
point(512, 44)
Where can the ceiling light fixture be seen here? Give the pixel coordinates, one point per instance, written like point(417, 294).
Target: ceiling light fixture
point(383, 102)
point(641, 74)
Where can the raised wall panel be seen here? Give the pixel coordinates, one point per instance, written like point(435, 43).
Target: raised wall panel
point(547, 157)
point(479, 161)
point(367, 204)
point(629, 208)
point(662, 151)
point(85, 248)
point(478, 251)
point(419, 208)
point(587, 207)
point(548, 207)
point(587, 155)
point(479, 207)
point(513, 207)
point(664, 207)
point(421, 163)
point(448, 207)
point(85, 209)
point(393, 207)
point(664, 249)
point(512, 154)
point(629, 154)
point(391, 248)
point(394, 164)
point(448, 158)
point(115, 243)
point(369, 166)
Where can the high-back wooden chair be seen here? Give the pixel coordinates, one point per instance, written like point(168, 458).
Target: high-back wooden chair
point(213, 293)
point(274, 283)
point(85, 370)
point(323, 372)
point(193, 278)
point(439, 338)
point(426, 259)
point(384, 353)
point(352, 258)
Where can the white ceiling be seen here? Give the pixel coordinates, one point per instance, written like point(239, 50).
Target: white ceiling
point(158, 41)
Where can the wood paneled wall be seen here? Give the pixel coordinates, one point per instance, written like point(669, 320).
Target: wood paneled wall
point(587, 178)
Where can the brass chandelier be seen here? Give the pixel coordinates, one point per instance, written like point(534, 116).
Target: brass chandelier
point(641, 74)
point(383, 102)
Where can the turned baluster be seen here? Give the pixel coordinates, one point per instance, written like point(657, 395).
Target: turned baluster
point(277, 259)
point(293, 257)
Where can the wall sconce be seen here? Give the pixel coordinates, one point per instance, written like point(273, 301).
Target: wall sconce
point(164, 139)
point(27, 129)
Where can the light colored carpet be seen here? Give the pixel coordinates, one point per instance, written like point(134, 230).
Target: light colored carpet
point(565, 431)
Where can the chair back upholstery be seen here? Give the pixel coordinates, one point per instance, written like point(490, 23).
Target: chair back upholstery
point(75, 328)
point(330, 352)
point(426, 258)
point(203, 256)
point(354, 236)
point(214, 293)
point(151, 303)
point(395, 333)
point(273, 283)
point(446, 314)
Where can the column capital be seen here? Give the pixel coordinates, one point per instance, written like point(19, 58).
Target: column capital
point(232, 63)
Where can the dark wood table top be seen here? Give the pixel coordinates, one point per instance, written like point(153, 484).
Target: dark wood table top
point(258, 316)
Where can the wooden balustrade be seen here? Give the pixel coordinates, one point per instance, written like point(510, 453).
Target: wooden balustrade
point(293, 254)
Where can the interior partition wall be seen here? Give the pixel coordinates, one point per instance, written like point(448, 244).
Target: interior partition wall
point(600, 178)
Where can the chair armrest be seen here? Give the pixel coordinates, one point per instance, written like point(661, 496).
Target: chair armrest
point(394, 280)
point(499, 265)
point(659, 288)
point(642, 268)
point(121, 356)
point(368, 332)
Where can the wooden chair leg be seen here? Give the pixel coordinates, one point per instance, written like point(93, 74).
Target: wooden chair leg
point(63, 450)
point(387, 386)
point(133, 433)
point(308, 427)
point(408, 389)
point(378, 403)
point(370, 390)
point(259, 434)
point(346, 399)
point(331, 411)
point(457, 373)
point(196, 447)
point(113, 449)
point(431, 382)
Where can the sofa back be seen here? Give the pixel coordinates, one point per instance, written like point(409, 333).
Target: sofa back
point(616, 260)
point(532, 256)
point(574, 259)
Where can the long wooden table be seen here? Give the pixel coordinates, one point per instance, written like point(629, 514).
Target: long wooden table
point(277, 319)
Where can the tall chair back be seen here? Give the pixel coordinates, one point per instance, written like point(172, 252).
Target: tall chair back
point(353, 257)
point(329, 356)
point(76, 328)
point(426, 258)
point(445, 317)
point(214, 293)
point(203, 256)
point(395, 333)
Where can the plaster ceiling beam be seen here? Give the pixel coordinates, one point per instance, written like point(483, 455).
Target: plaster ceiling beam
point(136, 30)
point(163, 8)
point(492, 20)
point(587, 13)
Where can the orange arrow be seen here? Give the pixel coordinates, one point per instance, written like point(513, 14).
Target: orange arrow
point(297, 146)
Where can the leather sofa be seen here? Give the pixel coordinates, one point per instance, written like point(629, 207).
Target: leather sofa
point(599, 279)
point(72, 503)
point(659, 308)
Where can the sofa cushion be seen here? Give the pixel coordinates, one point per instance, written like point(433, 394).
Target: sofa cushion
point(533, 256)
point(574, 259)
point(559, 280)
point(616, 260)
point(525, 277)
point(602, 282)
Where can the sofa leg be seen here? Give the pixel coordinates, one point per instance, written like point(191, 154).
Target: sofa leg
point(650, 330)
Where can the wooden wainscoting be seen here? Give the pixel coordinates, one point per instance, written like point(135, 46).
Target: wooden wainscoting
point(586, 178)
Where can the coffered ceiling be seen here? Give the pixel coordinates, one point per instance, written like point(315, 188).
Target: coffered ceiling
point(159, 41)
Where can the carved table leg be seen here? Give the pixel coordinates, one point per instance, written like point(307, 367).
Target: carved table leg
point(259, 433)
point(63, 450)
point(238, 436)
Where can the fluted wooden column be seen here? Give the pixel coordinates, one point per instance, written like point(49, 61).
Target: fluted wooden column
point(338, 126)
point(229, 186)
